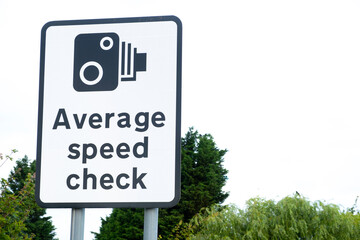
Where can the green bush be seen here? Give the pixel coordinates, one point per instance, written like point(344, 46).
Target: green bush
point(292, 217)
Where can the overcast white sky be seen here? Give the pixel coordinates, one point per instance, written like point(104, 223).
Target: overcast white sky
point(276, 83)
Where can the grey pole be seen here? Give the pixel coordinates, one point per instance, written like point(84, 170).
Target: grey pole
point(151, 216)
point(77, 223)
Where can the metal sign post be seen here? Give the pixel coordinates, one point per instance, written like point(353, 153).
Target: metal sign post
point(151, 216)
point(77, 223)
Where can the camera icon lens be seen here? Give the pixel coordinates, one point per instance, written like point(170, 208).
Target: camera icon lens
point(87, 66)
point(106, 43)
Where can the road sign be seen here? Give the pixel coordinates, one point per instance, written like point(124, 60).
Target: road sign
point(109, 113)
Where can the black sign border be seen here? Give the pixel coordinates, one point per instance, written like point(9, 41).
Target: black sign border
point(178, 117)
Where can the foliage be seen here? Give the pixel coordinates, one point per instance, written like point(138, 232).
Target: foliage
point(36, 223)
point(202, 179)
point(122, 224)
point(20, 217)
point(354, 209)
point(291, 218)
point(202, 176)
point(14, 208)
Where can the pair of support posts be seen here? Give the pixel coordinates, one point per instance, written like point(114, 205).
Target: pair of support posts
point(151, 216)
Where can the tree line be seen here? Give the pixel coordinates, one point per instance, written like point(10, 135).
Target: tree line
point(200, 214)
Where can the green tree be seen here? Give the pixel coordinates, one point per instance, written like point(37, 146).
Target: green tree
point(122, 224)
point(203, 175)
point(36, 223)
point(14, 208)
point(202, 179)
point(291, 218)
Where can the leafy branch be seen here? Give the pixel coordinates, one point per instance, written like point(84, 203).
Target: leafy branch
point(7, 157)
point(15, 208)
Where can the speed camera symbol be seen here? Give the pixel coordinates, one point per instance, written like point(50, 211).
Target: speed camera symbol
point(96, 62)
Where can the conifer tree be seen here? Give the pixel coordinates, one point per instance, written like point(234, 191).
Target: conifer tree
point(202, 179)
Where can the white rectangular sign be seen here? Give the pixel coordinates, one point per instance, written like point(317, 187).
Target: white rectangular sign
point(109, 113)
